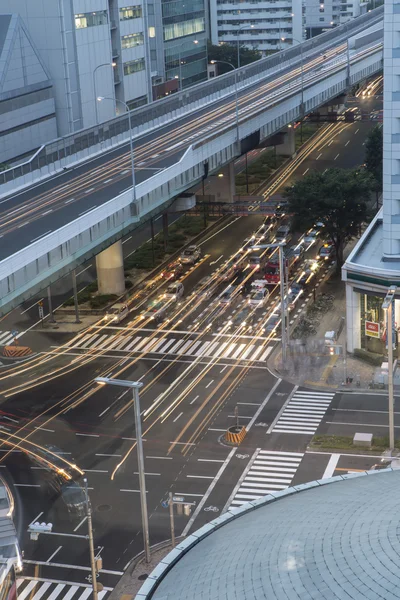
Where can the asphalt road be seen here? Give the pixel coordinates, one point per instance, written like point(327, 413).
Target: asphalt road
point(55, 202)
point(187, 402)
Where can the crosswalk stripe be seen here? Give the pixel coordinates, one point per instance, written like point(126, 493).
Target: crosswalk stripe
point(167, 345)
point(27, 590)
point(265, 354)
point(57, 591)
point(275, 471)
point(43, 589)
point(304, 412)
point(4, 335)
point(238, 350)
point(193, 348)
point(246, 352)
point(71, 592)
point(175, 346)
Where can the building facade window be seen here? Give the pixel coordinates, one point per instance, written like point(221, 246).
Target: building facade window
point(152, 32)
point(178, 30)
point(132, 40)
point(133, 66)
point(130, 12)
point(92, 19)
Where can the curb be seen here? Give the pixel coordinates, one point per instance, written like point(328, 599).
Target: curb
point(165, 566)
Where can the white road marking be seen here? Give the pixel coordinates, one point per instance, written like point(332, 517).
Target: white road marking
point(80, 523)
point(209, 383)
point(331, 466)
point(176, 418)
point(54, 553)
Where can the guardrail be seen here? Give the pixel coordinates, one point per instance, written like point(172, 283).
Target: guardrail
point(86, 142)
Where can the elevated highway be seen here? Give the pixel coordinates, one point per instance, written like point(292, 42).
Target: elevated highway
point(58, 218)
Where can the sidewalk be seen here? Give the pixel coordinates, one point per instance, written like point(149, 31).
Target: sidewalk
point(308, 360)
point(137, 572)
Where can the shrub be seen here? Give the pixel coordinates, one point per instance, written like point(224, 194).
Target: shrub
point(369, 357)
point(102, 300)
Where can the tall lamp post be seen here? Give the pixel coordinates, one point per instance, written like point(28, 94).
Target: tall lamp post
point(113, 64)
point(179, 77)
point(238, 41)
point(100, 99)
point(224, 62)
point(388, 308)
point(135, 386)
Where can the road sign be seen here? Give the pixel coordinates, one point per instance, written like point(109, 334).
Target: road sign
point(372, 329)
point(178, 498)
point(14, 332)
point(165, 503)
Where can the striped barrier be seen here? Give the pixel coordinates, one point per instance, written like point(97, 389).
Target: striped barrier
point(16, 351)
point(235, 435)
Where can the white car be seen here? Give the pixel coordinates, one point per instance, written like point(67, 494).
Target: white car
point(190, 255)
point(117, 313)
point(174, 291)
point(258, 297)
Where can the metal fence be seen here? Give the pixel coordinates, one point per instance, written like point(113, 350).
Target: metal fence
point(60, 149)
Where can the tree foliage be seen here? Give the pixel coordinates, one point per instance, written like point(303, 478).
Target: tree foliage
point(374, 156)
point(228, 53)
point(338, 198)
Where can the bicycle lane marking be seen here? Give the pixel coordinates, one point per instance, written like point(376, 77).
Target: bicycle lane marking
point(241, 479)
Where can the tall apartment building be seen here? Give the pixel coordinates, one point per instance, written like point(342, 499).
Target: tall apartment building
point(321, 15)
point(260, 24)
point(115, 50)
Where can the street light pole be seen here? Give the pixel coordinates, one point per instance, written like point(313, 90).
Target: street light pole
point(100, 99)
point(91, 544)
point(224, 62)
point(135, 386)
point(237, 41)
point(113, 64)
point(388, 308)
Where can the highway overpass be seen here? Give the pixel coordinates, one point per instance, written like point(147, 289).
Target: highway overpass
point(58, 218)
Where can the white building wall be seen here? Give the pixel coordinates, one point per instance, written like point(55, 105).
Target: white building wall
point(391, 130)
point(268, 21)
point(135, 85)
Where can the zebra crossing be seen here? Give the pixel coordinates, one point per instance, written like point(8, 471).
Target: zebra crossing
point(47, 589)
point(6, 337)
point(304, 412)
point(270, 471)
point(250, 350)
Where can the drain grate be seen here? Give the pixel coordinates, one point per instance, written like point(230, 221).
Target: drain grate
point(104, 507)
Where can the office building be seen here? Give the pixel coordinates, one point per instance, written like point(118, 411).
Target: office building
point(133, 53)
point(374, 264)
point(260, 24)
point(27, 107)
point(322, 15)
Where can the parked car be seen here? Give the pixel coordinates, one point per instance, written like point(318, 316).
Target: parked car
point(117, 313)
point(191, 255)
point(174, 291)
point(172, 271)
point(325, 252)
point(155, 309)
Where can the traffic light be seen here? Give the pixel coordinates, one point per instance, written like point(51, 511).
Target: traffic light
point(36, 528)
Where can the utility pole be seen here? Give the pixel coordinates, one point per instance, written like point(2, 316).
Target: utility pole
point(388, 308)
point(283, 310)
point(91, 544)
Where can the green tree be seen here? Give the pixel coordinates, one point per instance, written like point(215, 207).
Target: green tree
point(228, 53)
point(374, 158)
point(338, 198)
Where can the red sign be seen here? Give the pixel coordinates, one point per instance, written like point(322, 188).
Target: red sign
point(372, 329)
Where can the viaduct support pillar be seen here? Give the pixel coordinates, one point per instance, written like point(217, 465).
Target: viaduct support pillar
point(110, 270)
point(221, 184)
point(353, 319)
point(288, 147)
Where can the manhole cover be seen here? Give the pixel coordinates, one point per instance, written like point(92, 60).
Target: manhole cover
point(104, 507)
point(143, 577)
